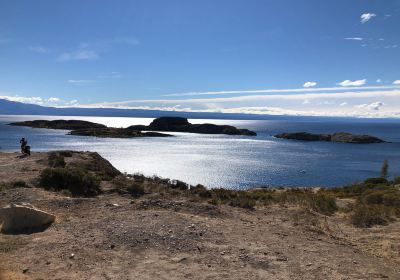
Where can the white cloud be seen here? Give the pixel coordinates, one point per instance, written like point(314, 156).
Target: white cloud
point(373, 106)
point(78, 55)
point(397, 82)
point(379, 81)
point(381, 39)
point(354, 38)
point(343, 104)
point(366, 17)
point(80, 82)
point(51, 101)
point(292, 90)
point(309, 84)
point(357, 83)
point(54, 100)
point(37, 49)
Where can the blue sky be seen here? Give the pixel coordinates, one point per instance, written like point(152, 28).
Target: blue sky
point(293, 57)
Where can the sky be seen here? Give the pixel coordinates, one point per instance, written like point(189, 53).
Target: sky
point(279, 57)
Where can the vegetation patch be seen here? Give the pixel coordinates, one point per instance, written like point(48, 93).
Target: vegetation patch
point(369, 215)
point(56, 159)
point(13, 185)
point(77, 181)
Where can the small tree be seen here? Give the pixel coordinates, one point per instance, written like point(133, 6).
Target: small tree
point(384, 169)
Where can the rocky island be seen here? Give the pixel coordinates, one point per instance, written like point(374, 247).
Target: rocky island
point(60, 124)
point(341, 137)
point(164, 124)
point(85, 128)
point(178, 124)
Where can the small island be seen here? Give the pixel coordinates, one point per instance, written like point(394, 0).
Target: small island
point(178, 124)
point(85, 128)
point(165, 124)
point(341, 137)
point(59, 124)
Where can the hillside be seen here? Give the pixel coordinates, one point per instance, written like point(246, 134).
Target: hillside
point(151, 228)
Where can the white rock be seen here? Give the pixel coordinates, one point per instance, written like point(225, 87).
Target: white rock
point(23, 216)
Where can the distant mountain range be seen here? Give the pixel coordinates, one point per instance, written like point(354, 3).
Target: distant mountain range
point(17, 108)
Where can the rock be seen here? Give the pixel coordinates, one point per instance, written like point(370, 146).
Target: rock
point(342, 137)
point(24, 218)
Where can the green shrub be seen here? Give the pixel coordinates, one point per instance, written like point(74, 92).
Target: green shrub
point(369, 215)
point(323, 203)
point(66, 153)
point(201, 191)
point(397, 180)
point(223, 195)
point(135, 189)
point(78, 181)
point(377, 181)
point(13, 185)
point(55, 159)
point(242, 200)
point(176, 184)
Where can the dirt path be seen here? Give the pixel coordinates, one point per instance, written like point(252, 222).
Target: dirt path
point(117, 237)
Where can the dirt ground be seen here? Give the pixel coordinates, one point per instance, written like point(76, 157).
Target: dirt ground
point(155, 237)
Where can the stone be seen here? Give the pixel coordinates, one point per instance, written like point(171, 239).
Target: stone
point(24, 217)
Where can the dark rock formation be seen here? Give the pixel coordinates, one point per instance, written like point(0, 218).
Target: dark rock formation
point(60, 124)
point(178, 124)
point(336, 137)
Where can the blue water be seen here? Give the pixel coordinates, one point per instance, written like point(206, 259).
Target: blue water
point(230, 161)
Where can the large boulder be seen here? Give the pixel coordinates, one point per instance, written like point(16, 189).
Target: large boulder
point(24, 217)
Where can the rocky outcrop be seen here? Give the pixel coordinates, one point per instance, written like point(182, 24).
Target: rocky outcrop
point(23, 217)
point(342, 137)
point(60, 124)
point(178, 124)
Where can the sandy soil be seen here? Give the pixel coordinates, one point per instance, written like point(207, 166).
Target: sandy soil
point(154, 237)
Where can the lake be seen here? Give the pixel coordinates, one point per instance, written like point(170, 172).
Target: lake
point(237, 162)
